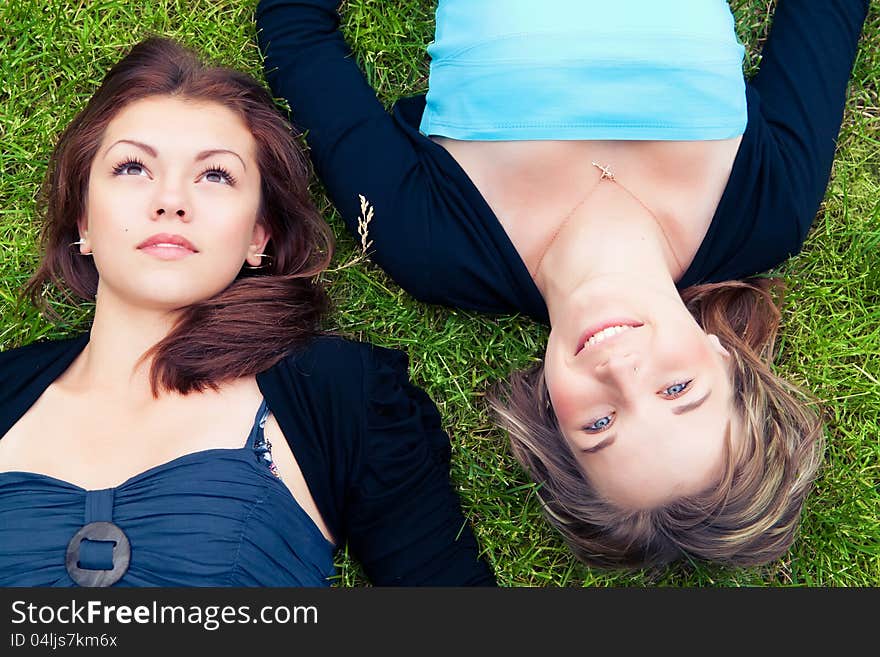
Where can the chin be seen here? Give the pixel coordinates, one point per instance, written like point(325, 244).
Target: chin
point(174, 297)
point(160, 291)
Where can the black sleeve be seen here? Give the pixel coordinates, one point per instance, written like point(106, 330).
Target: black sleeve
point(376, 462)
point(805, 66)
point(356, 147)
point(403, 521)
point(432, 231)
point(27, 371)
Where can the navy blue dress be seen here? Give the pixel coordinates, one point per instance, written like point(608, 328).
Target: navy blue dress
point(216, 517)
point(368, 442)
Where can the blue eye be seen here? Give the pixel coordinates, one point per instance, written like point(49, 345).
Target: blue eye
point(599, 425)
point(129, 167)
point(677, 389)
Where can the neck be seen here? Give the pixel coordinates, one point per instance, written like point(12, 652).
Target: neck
point(121, 334)
point(611, 236)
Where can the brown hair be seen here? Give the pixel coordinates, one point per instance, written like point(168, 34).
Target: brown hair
point(264, 313)
point(749, 517)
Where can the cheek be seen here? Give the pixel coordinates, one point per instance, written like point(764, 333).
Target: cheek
point(235, 232)
point(685, 341)
point(562, 387)
point(232, 221)
point(695, 354)
point(108, 216)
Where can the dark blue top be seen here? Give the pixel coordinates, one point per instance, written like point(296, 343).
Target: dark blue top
point(368, 442)
point(217, 517)
point(436, 236)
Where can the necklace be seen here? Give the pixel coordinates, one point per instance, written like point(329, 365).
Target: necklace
point(607, 174)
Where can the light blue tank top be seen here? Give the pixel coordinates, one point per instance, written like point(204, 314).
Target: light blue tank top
point(585, 69)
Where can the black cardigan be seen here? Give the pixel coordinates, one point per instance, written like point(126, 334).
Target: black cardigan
point(369, 443)
point(436, 236)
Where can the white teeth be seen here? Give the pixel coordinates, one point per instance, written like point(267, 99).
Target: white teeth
point(179, 246)
point(607, 333)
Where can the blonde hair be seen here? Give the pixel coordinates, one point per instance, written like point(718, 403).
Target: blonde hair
point(750, 516)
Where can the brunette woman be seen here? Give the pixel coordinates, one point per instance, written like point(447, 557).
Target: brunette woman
point(204, 432)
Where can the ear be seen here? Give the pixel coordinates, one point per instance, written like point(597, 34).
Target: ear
point(85, 246)
point(717, 346)
point(259, 240)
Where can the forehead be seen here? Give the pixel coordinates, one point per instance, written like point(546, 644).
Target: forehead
point(180, 122)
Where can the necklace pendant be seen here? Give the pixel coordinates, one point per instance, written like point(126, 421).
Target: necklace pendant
point(607, 173)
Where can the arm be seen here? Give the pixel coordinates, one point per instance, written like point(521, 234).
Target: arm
point(355, 145)
point(431, 230)
point(404, 522)
point(805, 67)
point(376, 462)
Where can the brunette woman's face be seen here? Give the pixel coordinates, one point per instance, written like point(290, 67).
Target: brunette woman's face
point(173, 201)
point(642, 395)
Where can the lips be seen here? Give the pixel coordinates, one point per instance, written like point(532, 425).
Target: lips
point(166, 239)
point(607, 330)
point(166, 246)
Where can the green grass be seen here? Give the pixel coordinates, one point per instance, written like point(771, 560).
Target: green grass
point(54, 55)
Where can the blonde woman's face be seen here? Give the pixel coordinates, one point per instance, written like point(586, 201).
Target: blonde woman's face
point(643, 397)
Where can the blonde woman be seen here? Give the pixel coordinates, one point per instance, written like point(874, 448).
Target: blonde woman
point(605, 168)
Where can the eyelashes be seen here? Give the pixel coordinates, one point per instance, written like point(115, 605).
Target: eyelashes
point(123, 166)
point(218, 170)
point(133, 166)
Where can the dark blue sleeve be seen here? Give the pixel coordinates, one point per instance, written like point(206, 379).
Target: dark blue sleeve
point(355, 145)
point(404, 522)
point(27, 371)
point(377, 462)
point(432, 231)
point(805, 67)
point(783, 165)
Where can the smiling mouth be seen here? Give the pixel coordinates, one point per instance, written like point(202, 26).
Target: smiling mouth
point(599, 334)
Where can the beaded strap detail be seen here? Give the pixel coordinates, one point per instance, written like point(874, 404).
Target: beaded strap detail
point(262, 447)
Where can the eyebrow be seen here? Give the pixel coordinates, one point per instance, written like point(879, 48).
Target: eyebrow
point(684, 408)
point(139, 144)
point(602, 444)
point(204, 155)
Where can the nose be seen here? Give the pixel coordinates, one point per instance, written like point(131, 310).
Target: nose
point(619, 367)
point(171, 202)
point(180, 212)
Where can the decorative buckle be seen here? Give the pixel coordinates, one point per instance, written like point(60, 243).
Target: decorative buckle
point(98, 531)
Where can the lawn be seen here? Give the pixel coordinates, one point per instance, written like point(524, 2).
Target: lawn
point(54, 54)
